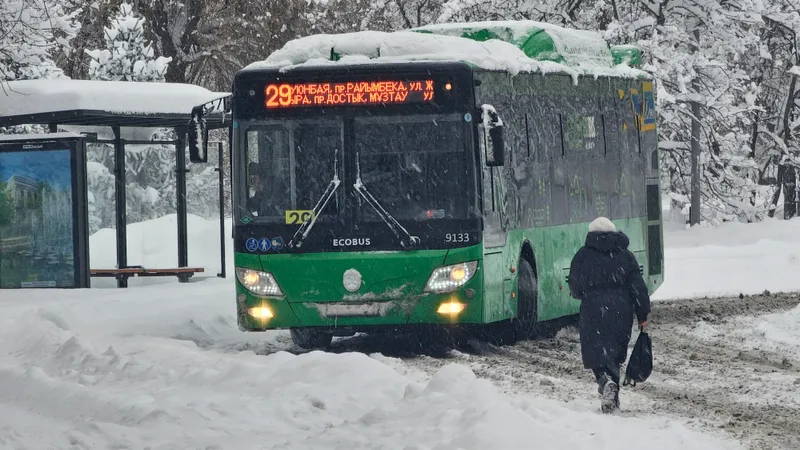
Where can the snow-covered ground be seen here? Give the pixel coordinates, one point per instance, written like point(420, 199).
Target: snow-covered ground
point(778, 333)
point(162, 364)
point(730, 259)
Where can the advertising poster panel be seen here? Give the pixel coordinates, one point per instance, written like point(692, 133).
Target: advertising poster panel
point(43, 212)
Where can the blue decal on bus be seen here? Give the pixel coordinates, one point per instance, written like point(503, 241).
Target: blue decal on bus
point(264, 245)
point(251, 245)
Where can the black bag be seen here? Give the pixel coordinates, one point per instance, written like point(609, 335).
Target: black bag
point(640, 364)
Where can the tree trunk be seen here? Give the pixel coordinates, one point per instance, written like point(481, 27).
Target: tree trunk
point(694, 215)
point(752, 156)
point(789, 178)
point(789, 182)
point(777, 195)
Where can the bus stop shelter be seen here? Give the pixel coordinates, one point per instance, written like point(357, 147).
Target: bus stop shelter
point(121, 105)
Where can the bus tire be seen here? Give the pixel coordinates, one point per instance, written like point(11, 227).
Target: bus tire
point(310, 339)
point(527, 299)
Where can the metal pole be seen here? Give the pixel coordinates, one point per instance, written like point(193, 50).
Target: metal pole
point(121, 210)
point(180, 188)
point(221, 274)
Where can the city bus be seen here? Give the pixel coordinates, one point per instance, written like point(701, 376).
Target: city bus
point(375, 189)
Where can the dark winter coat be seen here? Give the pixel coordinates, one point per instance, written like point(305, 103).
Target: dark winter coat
point(605, 277)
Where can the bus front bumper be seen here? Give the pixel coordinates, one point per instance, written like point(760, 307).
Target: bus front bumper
point(261, 314)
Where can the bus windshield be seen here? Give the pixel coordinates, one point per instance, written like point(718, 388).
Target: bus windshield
point(290, 164)
point(415, 167)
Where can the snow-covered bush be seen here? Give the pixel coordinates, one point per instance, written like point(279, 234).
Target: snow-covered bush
point(128, 56)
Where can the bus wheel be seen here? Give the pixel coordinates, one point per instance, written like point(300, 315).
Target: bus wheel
point(310, 339)
point(527, 297)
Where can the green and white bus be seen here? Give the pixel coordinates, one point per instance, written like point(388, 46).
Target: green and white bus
point(377, 185)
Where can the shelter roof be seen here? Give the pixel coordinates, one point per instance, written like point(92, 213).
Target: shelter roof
point(92, 102)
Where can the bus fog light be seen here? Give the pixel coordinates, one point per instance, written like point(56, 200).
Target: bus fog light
point(451, 307)
point(450, 278)
point(259, 283)
point(261, 312)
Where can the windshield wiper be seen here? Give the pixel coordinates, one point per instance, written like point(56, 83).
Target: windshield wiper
point(308, 224)
point(393, 224)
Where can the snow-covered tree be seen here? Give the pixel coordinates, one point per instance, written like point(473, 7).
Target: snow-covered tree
point(32, 33)
point(128, 55)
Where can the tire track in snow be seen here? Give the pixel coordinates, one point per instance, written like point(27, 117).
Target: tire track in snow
point(748, 394)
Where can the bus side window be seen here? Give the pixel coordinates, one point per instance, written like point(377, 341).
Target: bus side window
point(559, 208)
point(628, 133)
point(582, 128)
point(609, 166)
point(544, 137)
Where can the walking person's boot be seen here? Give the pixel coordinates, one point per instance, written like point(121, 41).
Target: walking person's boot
point(609, 394)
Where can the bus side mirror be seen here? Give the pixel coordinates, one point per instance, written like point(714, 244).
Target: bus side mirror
point(493, 133)
point(198, 136)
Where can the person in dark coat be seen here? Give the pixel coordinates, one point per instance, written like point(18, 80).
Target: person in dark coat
point(605, 277)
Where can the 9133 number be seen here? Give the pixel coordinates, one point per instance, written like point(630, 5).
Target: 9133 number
point(456, 237)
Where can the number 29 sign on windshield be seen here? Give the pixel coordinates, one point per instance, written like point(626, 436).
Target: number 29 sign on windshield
point(288, 95)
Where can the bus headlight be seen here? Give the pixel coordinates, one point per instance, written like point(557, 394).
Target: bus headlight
point(450, 278)
point(259, 283)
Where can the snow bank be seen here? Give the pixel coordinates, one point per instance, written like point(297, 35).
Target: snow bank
point(730, 259)
point(366, 47)
point(121, 97)
point(165, 367)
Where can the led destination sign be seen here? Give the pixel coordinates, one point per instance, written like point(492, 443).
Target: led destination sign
point(290, 95)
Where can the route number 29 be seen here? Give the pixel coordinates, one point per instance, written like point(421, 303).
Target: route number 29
point(456, 237)
point(278, 95)
point(296, 216)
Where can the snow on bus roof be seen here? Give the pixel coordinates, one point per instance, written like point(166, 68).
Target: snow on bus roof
point(575, 46)
point(375, 47)
point(30, 97)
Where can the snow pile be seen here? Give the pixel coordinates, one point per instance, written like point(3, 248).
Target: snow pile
point(406, 46)
point(730, 259)
point(121, 97)
point(166, 366)
point(154, 244)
